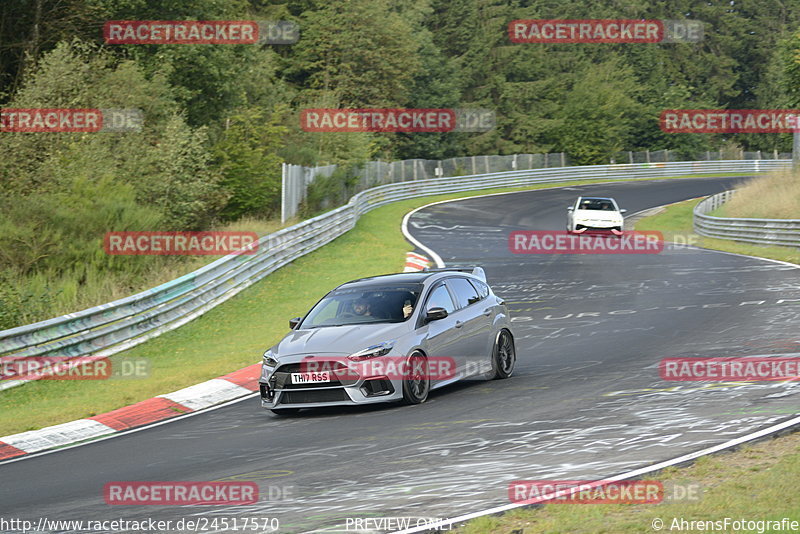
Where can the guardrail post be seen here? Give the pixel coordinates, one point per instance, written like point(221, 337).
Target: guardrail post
point(796, 149)
point(283, 192)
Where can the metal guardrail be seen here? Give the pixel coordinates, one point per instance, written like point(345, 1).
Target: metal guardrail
point(784, 232)
point(110, 328)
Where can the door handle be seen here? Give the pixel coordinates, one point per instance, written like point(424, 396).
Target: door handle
point(487, 312)
point(459, 324)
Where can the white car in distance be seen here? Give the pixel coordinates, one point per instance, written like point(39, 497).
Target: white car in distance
point(595, 215)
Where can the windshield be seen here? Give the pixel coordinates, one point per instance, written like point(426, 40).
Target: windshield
point(602, 204)
point(378, 304)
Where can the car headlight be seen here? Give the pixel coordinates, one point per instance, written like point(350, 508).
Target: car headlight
point(269, 359)
point(381, 349)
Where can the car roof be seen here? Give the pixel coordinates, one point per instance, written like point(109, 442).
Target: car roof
point(415, 277)
point(384, 279)
point(596, 198)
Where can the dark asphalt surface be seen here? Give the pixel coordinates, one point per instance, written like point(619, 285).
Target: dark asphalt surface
point(585, 402)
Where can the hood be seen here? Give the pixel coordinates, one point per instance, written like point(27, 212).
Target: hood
point(339, 339)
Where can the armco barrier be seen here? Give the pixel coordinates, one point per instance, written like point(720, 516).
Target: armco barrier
point(762, 231)
point(110, 328)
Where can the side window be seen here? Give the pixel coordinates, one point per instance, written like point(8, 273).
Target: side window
point(440, 298)
point(483, 289)
point(465, 293)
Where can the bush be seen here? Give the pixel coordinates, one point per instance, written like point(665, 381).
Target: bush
point(328, 192)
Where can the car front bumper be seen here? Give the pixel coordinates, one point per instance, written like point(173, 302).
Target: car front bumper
point(278, 391)
point(600, 227)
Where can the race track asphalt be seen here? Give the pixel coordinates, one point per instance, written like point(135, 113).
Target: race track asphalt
point(585, 402)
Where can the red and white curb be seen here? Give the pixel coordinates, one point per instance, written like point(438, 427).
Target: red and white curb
point(201, 396)
point(415, 262)
point(192, 399)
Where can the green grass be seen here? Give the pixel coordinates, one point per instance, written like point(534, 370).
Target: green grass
point(676, 225)
point(234, 334)
point(757, 482)
point(774, 195)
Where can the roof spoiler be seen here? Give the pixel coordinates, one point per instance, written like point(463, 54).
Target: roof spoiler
point(475, 271)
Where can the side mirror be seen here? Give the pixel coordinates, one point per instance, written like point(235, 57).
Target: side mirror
point(294, 322)
point(570, 208)
point(623, 211)
point(434, 314)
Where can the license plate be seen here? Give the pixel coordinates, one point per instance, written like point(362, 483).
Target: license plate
point(311, 378)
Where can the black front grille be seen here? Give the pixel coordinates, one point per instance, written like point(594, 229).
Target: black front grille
point(381, 386)
point(320, 395)
point(281, 379)
point(596, 228)
point(312, 364)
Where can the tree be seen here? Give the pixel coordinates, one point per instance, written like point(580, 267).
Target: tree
point(598, 113)
point(251, 169)
point(360, 49)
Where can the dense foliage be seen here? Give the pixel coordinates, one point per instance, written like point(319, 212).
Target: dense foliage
point(219, 119)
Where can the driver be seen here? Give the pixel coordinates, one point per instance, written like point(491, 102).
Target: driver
point(362, 307)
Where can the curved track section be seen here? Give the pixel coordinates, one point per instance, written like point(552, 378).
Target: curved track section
point(585, 402)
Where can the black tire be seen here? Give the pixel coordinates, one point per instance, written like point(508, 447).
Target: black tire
point(417, 384)
point(283, 412)
point(504, 355)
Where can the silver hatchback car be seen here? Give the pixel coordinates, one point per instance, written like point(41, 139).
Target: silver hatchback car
point(390, 338)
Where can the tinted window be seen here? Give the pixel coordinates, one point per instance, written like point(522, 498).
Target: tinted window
point(602, 204)
point(465, 293)
point(483, 289)
point(364, 304)
point(440, 298)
